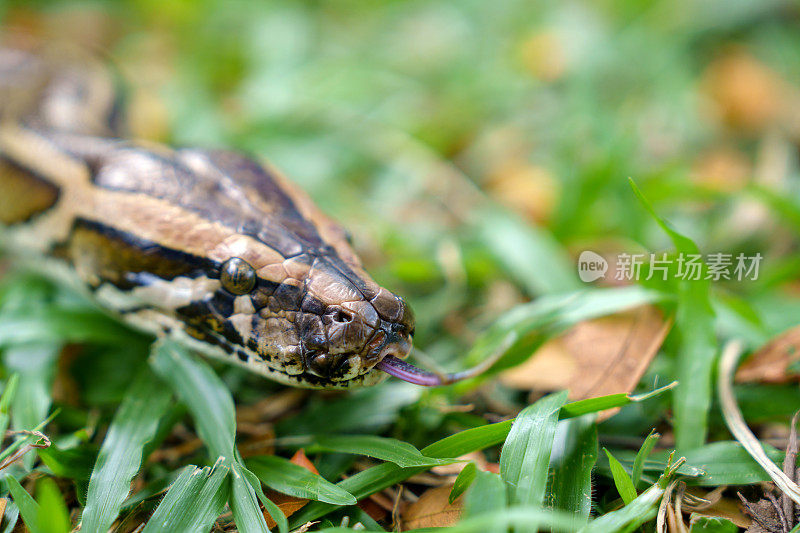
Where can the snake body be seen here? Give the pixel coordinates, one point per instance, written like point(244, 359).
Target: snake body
point(209, 246)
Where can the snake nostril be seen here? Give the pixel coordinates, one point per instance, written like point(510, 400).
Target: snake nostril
point(340, 315)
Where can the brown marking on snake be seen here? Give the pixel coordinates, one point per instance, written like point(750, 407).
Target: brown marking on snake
point(100, 255)
point(24, 195)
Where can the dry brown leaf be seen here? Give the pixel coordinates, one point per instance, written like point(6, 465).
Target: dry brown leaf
point(606, 355)
point(432, 510)
point(300, 459)
point(454, 469)
point(3, 503)
point(375, 511)
point(727, 508)
point(747, 94)
point(771, 363)
point(289, 504)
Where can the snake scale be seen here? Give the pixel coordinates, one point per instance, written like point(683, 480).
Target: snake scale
point(211, 247)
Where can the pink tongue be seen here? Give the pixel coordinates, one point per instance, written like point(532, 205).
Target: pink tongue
point(408, 372)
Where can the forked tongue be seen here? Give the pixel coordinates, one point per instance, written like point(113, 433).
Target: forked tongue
point(408, 372)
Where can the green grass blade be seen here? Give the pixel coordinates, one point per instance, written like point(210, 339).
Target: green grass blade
point(692, 398)
point(516, 517)
point(205, 395)
point(212, 499)
point(621, 479)
point(463, 481)
point(120, 457)
point(632, 515)
point(487, 495)
point(571, 475)
point(392, 450)
point(286, 477)
point(727, 463)
point(525, 457)
point(385, 475)
point(35, 364)
point(698, 347)
point(7, 397)
point(194, 501)
point(469, 440)
point(28, 508)
point(73, 463)
point(531, 255)
point(210, 403)
point(272, 509)
point(641, 456)
point(53, 514)
point(716, 524)
point(244, 503)
point(10, 517)
point(601, 403)
point(175, 512)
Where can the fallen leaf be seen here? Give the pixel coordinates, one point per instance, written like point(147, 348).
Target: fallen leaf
point(300, 459)
point(727, 508)
point(747, 94)
point(773, 362)
point(3, 503)
point(606, 355)
point(454, 469)
point(432, 509)
point(289, 504)
point(373, 509)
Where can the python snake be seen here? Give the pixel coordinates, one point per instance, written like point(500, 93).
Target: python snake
point(208, 246)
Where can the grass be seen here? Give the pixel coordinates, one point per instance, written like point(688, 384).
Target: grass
point(474, 149)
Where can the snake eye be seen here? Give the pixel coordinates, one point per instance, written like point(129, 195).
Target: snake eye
point(237, 276)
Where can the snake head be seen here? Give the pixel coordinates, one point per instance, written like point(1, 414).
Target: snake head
point(330, 323)
point(344, 333)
